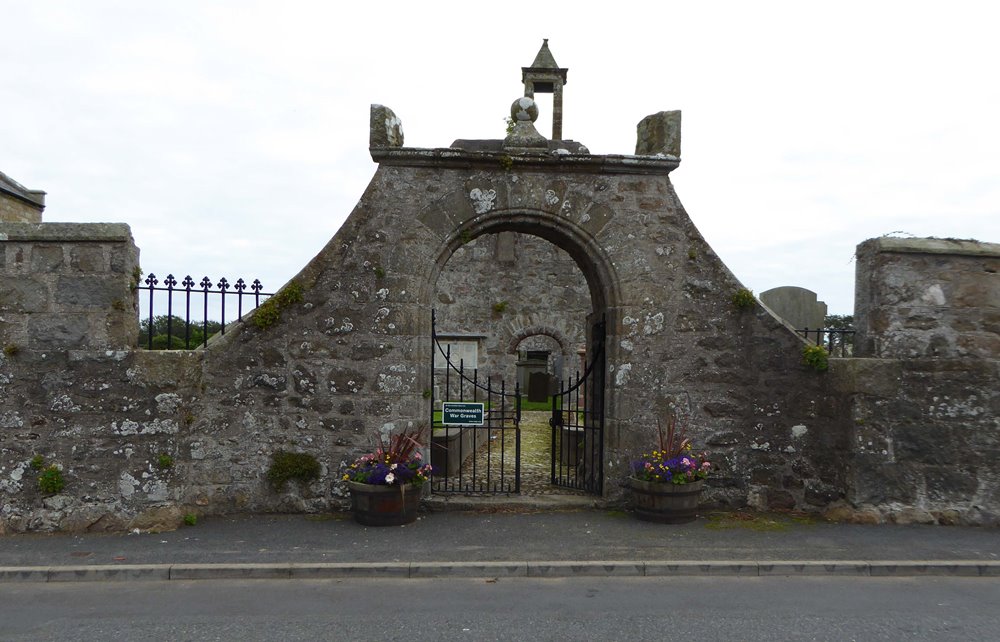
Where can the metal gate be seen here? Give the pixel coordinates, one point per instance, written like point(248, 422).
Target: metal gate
point(578, 422)
point(475, 427)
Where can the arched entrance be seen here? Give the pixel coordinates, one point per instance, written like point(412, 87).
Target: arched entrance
point(559, 298)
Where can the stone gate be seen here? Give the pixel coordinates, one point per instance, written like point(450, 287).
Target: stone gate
point(342, 351)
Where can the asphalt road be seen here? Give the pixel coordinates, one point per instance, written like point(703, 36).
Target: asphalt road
point(634, 609)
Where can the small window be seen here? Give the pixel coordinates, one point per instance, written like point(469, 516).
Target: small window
point(463, 353)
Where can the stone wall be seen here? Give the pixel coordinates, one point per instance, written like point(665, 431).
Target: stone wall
point(918, 298)
point(926, 410)
point(74, 393)
point(925, 444)
point(143, 438)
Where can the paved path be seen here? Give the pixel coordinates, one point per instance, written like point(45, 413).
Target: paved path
point(484, 544)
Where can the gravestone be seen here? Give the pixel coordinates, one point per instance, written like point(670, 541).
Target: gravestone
point(796, 306)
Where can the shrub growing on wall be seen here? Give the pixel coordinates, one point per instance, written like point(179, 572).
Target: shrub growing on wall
point(287, 466)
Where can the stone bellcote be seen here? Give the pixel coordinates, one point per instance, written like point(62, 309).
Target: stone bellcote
point(546, 77)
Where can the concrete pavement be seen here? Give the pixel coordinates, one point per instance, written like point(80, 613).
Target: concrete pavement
point(507, 543)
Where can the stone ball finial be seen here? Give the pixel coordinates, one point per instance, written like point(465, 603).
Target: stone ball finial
point(524, 109)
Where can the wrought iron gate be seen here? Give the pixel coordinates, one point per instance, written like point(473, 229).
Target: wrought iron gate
point(483, 455)
point(578, 422)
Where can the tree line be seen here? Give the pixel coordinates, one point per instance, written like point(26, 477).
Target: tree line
point(195, 332)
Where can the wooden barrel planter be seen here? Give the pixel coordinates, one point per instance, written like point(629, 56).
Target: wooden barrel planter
point(377, 505)
point(665, 503)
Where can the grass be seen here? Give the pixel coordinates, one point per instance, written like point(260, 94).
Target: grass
point(760, 522)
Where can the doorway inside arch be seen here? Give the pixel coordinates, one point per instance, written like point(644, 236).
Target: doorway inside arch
point(514, 330)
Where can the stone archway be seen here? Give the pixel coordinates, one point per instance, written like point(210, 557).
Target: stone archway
point(352, 357)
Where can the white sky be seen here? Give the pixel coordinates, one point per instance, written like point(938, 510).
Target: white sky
point(232, 136)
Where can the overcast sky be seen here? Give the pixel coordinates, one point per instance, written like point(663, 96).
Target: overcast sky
point(232, 136)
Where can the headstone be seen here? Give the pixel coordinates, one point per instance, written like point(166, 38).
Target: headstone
point(538, 386)
point(796, 306)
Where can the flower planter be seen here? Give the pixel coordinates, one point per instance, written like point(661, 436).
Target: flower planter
point(378, 505)
point(665, 503)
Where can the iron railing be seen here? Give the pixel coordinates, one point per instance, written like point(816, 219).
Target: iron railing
point(838, 342)
point(201, 292)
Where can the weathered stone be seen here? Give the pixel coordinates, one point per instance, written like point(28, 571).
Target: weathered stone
point(158, 519)
point(780, 500)
point(820, 494)
point(386, 129)
point(912, 516)
point(23, 294)
point(86, 291)
point(659, 133)
point(46, 258)
point(87, 258)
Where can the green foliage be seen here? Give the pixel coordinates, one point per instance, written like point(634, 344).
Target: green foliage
point(164, 461)
point(379, 272)
point(499, 307)
point(136, 276)
point(197, 332)
point(37, 462)
point(190, 519)
point(51, 480)
point(839, 322)
point(744, 299)
point(510, 124)
point(506, 162)
point(816, 357)
point(11, 349)
point(269, 312)
point(287, 466)
point(692, 254)
point(465, 236)
point(118, 305)
point(427, 393)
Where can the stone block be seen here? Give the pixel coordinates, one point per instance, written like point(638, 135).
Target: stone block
point(24, 294)
point(87, 258)
point(385, 128)
point(59, 331)
point(659, 133)
point(46, 258)
point(88, 291)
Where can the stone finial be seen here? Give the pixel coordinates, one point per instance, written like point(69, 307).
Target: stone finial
point(524, 113)
point(385, 128)
point(659, 133)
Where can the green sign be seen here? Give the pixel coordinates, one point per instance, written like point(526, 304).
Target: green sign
point(462, 413)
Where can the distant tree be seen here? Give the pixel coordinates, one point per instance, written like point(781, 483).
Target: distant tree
point(196, 336)
point(840, 344)
point(839, 321)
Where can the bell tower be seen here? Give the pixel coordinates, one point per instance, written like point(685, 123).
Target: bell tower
point(544, 76)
